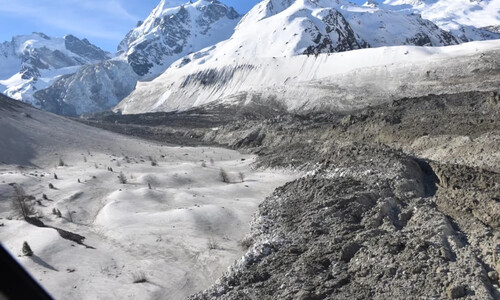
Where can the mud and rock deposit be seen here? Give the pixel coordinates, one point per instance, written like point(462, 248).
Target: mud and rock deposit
point(400, 201)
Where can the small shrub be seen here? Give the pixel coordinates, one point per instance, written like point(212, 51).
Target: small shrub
point(223, 176)
point(241, 176)
point(44, 197)
point(212, 161)
point(26, 251)
point(55, 176)
point(153, 161)
point(139, 277)
point(203, 164)
point(149, 185)
point(122, 178)
point(246, 243)
point(70, 215)
point(51, 186)
point(95, 166)
point(212, 244)
point(84, 159)
point(61, 162)
point(56, 212)
point(118, 164)
point(21, 203)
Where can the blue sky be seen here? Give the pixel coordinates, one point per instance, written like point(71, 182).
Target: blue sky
point(103, 22)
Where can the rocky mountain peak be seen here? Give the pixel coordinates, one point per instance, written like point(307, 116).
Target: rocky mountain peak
point(170, 32)
point(26, 58)
point(84, 48)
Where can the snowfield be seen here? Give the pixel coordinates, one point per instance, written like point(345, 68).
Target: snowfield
point(174, 224)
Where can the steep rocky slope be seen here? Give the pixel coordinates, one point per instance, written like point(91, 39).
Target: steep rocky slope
point(172, 31)
point(92, 88)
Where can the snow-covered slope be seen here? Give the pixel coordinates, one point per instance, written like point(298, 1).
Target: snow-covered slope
point(292, 27)
point(170, 32)
point(175, 224)
point(93, 88)
point(464, 18)
point(267, 63)
point(32, 62)
point(343, 81)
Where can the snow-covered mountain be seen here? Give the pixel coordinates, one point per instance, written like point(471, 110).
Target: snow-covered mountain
point(93, 88)
point(32, 62)
point(467, 19)
point(294, 27)
point(340, 81)
point(170, 33)
point(287, 28)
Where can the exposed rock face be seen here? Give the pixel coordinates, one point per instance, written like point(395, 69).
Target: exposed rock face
point(93, 88)
point(494, 29)
point(172, 32)
point(338, 35)
point(84, 48)
point(37, 55)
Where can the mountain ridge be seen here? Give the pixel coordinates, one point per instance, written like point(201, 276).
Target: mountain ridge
point(169, 33)
point(32, 62)
point(249, 64)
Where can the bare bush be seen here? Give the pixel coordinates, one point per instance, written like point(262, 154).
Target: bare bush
point(21, 203)
point(70, 215)
point(122, 178)
point(241, 176)
point(212, 244)
point(139, 277)
point(223, 176)
point(246, 243)
point(153, 161)
point(56, 212)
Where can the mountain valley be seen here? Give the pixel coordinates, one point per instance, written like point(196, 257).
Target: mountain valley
point(308, 149)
